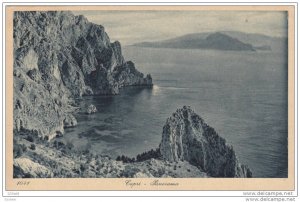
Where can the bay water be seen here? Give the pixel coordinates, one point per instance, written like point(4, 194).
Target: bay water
point(241, 94)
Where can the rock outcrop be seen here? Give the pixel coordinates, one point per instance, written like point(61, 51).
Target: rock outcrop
point(70, 121)
point(91, 109)
point(186, 137)
point(59, 56)
point(26, 167)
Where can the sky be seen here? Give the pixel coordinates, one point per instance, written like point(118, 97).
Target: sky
point(131, 27)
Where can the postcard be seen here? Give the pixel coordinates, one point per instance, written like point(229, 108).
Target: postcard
point(150, 97)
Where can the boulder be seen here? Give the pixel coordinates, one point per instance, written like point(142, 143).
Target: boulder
point(34, 75)
point(148, 80)
point(70, 121)
point(91, 109)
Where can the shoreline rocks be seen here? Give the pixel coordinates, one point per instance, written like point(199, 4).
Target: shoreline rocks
point(91, 109)
point(70, 121)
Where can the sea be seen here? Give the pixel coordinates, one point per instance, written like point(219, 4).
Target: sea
point(241, 94)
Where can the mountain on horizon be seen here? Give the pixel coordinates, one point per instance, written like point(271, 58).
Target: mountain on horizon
point(223, 40)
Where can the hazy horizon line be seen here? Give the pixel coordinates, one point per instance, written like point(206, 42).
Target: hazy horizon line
point(195, 33)
point(131, 27)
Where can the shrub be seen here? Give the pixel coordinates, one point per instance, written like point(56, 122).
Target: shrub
point(148, 155)
point(18, 150)
point(129, 171)
point(58, 144)
point(89, 158)
point(125, 159)
point(30, 135)
point(85, 152)
point(98, 162)
point(83, 167)
point(30, 138)
point(32, 147)
point(161, 171)
point(69, 145)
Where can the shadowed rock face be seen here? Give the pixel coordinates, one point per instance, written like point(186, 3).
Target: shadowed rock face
point(59, 56)
point(71, 49)
point(186, 137)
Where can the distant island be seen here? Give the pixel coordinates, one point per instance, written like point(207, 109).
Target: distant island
point(218, 41)
point(225, 41)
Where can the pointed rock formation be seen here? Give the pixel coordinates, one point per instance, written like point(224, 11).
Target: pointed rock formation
point(186, 137)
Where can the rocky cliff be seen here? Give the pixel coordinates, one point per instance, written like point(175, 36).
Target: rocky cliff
point(186, 137)
point(59, 56)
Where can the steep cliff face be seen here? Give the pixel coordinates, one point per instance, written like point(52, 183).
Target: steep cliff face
point(186, 137)
point(59, 56)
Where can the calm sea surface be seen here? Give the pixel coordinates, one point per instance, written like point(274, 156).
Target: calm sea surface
point(243, 95)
